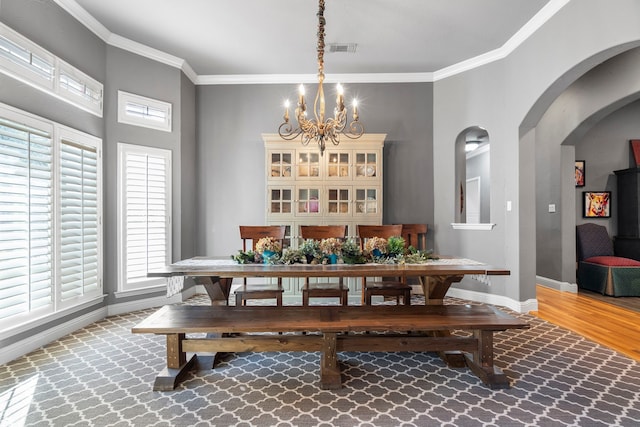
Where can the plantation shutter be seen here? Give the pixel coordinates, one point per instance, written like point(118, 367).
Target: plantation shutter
point(26, 221)
point(146, 202)
point(79, 252)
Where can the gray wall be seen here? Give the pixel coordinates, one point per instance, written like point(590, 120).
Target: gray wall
point(231, 175)
point(131, 73)
point(593, 105)
point(509, 98)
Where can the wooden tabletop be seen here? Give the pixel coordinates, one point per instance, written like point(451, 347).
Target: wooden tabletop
point(210, 266)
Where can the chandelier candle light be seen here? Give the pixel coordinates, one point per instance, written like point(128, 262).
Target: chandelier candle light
point(318, 128)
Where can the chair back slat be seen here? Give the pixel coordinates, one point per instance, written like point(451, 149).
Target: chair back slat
point(385, 231)
point(319, 232)
point(415, 235)
point(257, 232)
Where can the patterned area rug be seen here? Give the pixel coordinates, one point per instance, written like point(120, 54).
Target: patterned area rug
point(102, 375)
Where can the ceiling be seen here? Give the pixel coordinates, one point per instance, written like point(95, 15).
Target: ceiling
point(278, 37)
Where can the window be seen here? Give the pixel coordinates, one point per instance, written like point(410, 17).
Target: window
point(146, 112)
point(144, 220)
point(50, 205)
point(24, 60)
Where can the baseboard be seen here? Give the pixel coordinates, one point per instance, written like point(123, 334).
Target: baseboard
point(518, 306)
point(557, 285)
point(27, 345)
point(143, 304)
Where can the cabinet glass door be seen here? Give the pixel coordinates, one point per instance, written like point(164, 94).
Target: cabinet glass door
point(280, 200)
point(338, 165)
point(366, 201)
point(366, 165)
point(308, 201)
point(308, 165)
point(281, 164)
point(338, 201)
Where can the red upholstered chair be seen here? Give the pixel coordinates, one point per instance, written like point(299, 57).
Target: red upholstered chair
point(324, 289)
point(387, 287)
point(253, 233)
point(599, 269)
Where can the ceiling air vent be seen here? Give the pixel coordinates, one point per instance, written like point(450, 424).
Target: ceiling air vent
point(343, 47)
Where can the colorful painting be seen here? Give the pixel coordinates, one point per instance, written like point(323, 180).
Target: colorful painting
point(580, 177)
point(596, 204)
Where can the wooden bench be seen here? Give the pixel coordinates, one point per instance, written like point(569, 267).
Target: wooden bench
point(327, 332)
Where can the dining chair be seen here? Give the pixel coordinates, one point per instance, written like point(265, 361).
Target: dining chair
point(253, 233)
point(324, 289)
point(415, 235)
point(386, 286)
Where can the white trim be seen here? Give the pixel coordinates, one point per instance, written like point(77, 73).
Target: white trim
point(557, 285)
point(49, 317)
point(52, 87)
point(239, 79)
point(465, 226)
point(86, 19)
point(33, 342)
point(125, 98)
point(142, 304)
point(142, 291)
point(518, 306)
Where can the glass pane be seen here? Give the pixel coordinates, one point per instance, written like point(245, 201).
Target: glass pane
point(286, 194)
point(275, 207)
point(275, 194)
point(333, 194)
point(286, 158)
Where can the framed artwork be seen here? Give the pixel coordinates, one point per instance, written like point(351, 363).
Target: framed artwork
point(580, 177)
point(596, 204)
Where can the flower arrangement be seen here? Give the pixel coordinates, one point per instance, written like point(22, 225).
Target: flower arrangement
point(331, 246)
point(351, 253)
point(311, 250)
point(268, 244)
point(376, 244)
point(395, 246)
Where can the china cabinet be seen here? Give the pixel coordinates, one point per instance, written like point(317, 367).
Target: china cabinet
point(341, 187)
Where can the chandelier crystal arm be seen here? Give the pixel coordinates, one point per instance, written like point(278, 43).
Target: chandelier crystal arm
point(320, 128)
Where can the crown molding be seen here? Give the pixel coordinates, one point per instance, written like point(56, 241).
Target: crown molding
point(237, 79)
point(79, 13)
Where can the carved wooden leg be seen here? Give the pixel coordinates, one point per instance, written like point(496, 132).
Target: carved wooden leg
point(330, 378)
point(481, 362)
point(177, 364)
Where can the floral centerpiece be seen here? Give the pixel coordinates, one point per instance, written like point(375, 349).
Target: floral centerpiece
point(377, 246)
point(395, 246)
point(268, 244)
point(352, 253)
point(311, 250)
point(268, 248)
point(331, 248)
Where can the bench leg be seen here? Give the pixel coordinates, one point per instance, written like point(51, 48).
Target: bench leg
point(330, 378)
point(177, 364)
point(481, 362)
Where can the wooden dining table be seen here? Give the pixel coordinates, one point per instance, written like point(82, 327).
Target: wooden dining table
point(436, 277)
point(216, 274)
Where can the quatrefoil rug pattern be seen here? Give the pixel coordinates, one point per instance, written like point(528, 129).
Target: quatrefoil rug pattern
point(102, 375)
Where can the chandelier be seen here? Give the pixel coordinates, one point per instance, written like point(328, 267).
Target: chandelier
point(318, 128)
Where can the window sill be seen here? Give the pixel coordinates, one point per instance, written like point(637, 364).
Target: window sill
point(465, 226)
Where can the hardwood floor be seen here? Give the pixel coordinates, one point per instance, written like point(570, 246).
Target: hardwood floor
point(614, 327)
